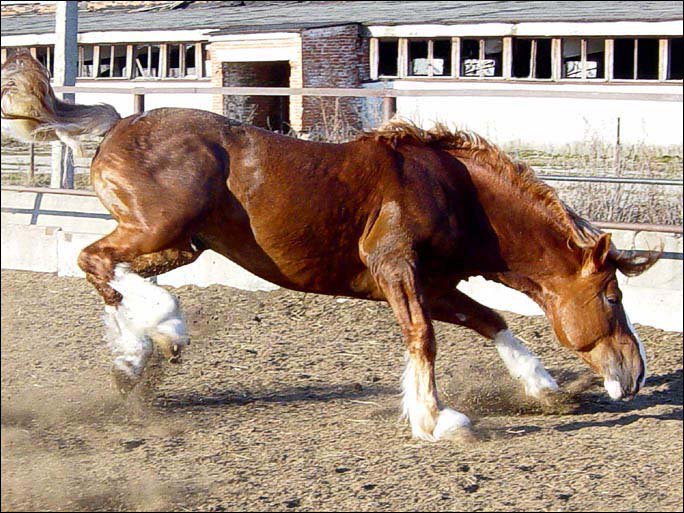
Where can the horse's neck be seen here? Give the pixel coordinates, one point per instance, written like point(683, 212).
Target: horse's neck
point(530, 249)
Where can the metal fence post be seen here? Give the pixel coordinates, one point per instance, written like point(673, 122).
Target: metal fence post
point(618, 151)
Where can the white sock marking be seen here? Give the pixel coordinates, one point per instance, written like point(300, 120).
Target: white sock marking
point(419, 404)
point(131, 350)
point(614, 388)
point(148, 308)
point(414, 407)
point(523, 365)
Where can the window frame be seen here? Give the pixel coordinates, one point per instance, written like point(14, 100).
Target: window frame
point(607, 60)
point(663, 44)
point(200, 49)
point(533, 61)
point(482, 54)
point(507, 60)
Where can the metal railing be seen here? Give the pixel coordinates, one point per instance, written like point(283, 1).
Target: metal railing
point(610, 179)
point(638, 227)
point(383, 92)
point(389, 97)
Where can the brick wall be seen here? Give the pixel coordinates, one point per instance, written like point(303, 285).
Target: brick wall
point(236, 51)
point(333, 57)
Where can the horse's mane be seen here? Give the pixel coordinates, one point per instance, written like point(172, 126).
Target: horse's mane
point(579, 231)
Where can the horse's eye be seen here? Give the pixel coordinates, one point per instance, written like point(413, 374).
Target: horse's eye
point(612, 299)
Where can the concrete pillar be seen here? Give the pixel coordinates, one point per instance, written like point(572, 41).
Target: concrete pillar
point(65, 67)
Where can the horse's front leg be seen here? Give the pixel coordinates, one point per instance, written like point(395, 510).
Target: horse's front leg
point(138, 313)
point(522, 364)
point(392, 262)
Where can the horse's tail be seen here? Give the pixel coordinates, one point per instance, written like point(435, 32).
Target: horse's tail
point(31, 112)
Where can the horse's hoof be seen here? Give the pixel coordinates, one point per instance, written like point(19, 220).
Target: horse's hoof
point(169, 349)
point(176, 358)
point(452, 425)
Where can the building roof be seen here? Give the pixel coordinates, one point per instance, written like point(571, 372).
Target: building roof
point(258, 16)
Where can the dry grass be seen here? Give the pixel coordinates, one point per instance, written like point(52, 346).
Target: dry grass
point(614, 202)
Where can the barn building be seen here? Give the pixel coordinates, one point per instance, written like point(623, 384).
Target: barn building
point(541, 73)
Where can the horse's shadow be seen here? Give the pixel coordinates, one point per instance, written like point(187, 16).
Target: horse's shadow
point(593, 403)
point(300, 394)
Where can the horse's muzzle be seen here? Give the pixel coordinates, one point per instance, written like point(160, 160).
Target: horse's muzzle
point(617, 391)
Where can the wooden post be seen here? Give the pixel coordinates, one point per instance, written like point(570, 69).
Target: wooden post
point(32, 164)
point(403, 58)
point(389, 108)
point(507, 57)
point(608, 63)
point(455, 57)
point(663, 60)
point(618, 151)
point(556, 59)
point(65, 67)
point(139, 102)
point(374, 52)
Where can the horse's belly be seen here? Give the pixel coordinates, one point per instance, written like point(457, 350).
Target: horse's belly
point(291, 266)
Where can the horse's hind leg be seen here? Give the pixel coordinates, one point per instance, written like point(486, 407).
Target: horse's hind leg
point(137, 312)
point(522, 364)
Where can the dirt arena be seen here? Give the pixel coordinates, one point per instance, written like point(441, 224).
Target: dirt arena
point(288, 401)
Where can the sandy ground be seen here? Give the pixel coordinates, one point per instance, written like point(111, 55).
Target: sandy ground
point(288, 401)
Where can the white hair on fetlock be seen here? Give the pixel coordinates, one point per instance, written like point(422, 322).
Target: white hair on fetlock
point(523, 365)
point(147, 308)
point(131, 351)
point(413, 405)
point(416, 409)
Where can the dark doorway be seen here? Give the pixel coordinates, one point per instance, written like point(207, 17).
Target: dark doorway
point(270, 112)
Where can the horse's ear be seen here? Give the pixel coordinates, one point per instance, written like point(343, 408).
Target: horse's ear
point(595, 258)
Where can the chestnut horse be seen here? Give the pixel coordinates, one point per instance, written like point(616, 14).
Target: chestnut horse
point(398, 215)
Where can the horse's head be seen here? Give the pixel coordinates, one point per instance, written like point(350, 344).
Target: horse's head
point(588, 316)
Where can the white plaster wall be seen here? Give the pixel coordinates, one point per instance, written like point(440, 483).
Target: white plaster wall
point(545, 122)
point(123, 103)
